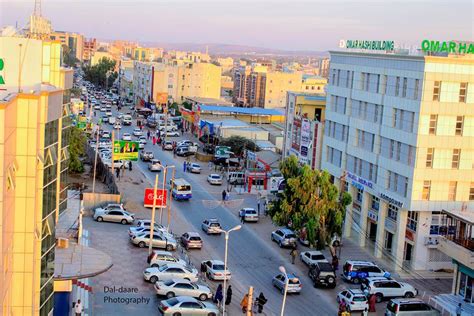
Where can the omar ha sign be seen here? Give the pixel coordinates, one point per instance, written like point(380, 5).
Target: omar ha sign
point(450, 47)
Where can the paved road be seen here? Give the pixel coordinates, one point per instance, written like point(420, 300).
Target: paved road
point(252, 260)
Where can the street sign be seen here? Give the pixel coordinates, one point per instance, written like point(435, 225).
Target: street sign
point(125, 150)
point(222, 151)
point(160, 198)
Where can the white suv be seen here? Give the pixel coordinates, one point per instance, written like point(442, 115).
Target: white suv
point(383, 287)
point(356, 271)
point(354, 299)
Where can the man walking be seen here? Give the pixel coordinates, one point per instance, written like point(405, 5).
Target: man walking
point(184, 166)
point(117, 173)
point(224, 195)
point(293, 255)
point(78, 308)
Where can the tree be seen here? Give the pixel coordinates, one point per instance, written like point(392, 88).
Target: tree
point(69, 57)
point(237, 144)
point(77, 142)
point(101, 74)
point(187, 106)
point(310, 201)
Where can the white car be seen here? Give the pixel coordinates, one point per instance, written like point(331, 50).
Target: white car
point(155, 165)
point(160, 257)
point(168, 145)
point(170, 271)
point(178, 287)
point(186, 305)
point(113, 214)
point(249, 214)
point(354, 299)
point(137, 132)
point(127, 136)
point(184, 143)
point(108, 113)
point(112, 120)
point(141, 144)
point(214, 270)
point(387, 288)
point(172, 134)
point(103, 109)
point(160, 240)
point(311, 257)
point(194, 168)
point(142, 139)
point(138, 230)
point(214, 179)
point(211, 226)
point(117, 125)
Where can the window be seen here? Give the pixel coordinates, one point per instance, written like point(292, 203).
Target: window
point(471, 192)
point(456, 158)
point(425, 194)
point(412, 220)
point(417, 91)
point(404, 89)
point(362, 80)
point(397, 87)
point(459, 125)
point(367, 81)
point(338, 77)
point(375, 203)
point(452, 190)
point(392, 212)
point(429, 158)
point(395, 118)
point(383, 88)
point(347, 78)
point(360, 195)
point(436, 90)
point(433, 124)
point(463, 92)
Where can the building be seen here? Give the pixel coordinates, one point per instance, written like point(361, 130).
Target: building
point(97, 56)
point(313, 84)
point(324, 67)
point(90, 46)
point(277, 84)
point(226, 63)
point(33, 158)
point(178, 82)
point(125, 79)
point(304, 118)
point(74, 41)
point(147, 54)
point(399, 136)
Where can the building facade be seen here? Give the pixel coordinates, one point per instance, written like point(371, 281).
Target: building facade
point(399, 136)
point(34, 122)
point(90, 46)
point(74, 41)
point(304, 118)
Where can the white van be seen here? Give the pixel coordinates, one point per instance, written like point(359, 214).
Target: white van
point(127, 119)
point(236, 178)
point(112, 120)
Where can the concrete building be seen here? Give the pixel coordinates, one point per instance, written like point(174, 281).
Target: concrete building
point(33, 158)
point(74, 41)
point(304, 118)
point(125, 79)
point(147, 53)
point(90, 46)
point(324, 67)
point(97, 56)
point(313, 84)
point(399, 136)
point(178, 82)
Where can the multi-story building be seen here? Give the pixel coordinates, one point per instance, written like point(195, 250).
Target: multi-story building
point(178, 82)
point(34, 119)
point(313, 84)
point(304, 118)
point(90, 46)
point(125, 79)
point(97, 56)
point(399, 136)
point(146, 53)
point(74, 41)
point(324, 67)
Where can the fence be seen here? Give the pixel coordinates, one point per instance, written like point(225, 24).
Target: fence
point(92, 200)
point(103, 172)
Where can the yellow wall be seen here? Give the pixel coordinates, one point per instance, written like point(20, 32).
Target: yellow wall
point(277, 85)
point(313, 85)
point(99, 55)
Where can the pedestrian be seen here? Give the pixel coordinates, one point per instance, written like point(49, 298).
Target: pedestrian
point(117, 173)
point(342, 307)
point(372, 301)
point(224, 195)
point(95, 113)
point(227, 197)
point(260, 301)
point(154, 140)
point(209, 165)
point(459, 310)
point(293, 255)
point(244, 303)
point(148, 134)
point(258, 208)
point(130, 165)
point(335, 263)
point(78, 308)
point(184, 166)
point(228, 295)
point(242, 217)
point(218, 296)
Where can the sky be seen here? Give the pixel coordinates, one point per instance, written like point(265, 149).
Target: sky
point(312, 25)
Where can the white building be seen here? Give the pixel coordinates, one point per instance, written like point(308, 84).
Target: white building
point(400, 131)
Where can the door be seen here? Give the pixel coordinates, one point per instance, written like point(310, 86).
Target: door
point(113, 216)
point(373, 231)
point(408, 251)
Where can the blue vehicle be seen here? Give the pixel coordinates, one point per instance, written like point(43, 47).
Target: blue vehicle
point(357, 271)
point(181, 190)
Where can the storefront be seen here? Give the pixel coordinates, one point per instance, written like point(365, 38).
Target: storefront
point(188, 119)
point(464, 282)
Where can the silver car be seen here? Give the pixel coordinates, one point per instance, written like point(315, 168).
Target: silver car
point(194, 168)
point(113, 214)
point(214, 179)
point(284, 237)
point(158, 241)
point(177, 287)
point(294, 285)
point(155, 165)
point(248, 214)
point(214, 270)
point(408, 307)
point(170, 271)
point(211, 226)
point(160, 257)
point(185, 305)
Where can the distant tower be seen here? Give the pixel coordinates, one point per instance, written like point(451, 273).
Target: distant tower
point(37, 10)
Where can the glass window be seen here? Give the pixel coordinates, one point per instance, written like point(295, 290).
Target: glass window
point(463, 92)
point(456, 158)
point(397, 87)
point(412, 220)
point(433, 124)
point(459, 125)
point(417, 84)
point(392, 211)
point(425, 194)
point(375, 203)
point(452, 190)
point(471, 192)
point(436, 90)
point(429, 158)
point(404, 90)
point(360, 195)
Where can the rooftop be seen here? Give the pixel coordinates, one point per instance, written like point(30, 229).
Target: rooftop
point(237, 110)
point(210, 101)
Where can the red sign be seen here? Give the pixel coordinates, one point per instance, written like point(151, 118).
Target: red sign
point(409, 235)
point(160, 198)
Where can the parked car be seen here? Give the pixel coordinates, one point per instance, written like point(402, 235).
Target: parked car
point(168, 145)
point(113, 214)
point(117, 125)
point(141, 228)
point(112, 120)
point(141, 144)
point(159, 240)
point(183, 151)
point(294, 284)
point(284, 237)
point(211, 226)
point(170, 271)
point(311, 257)
point(142, 139)
point(354, 299)
point(386, 288)
point(322, 274)
point(172, 134)
point(355, 271)
point(178, 287)
point(137, 132)
point(146, 155)
point(108, 113)
point(185, 143)
point(409, 307)
point(194, 168)
point(191, 240)
point(127, 136)
point(186, 305)
point(214, 178)
point(155, 165)
point(160, 257)
point(214, 270)
point(249, 214)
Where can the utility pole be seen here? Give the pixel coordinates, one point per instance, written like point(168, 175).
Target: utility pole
point(95, 159)
point(169, 206)
point(249, 307)
point(164, 183)
point(152, 224)
point(113, 149)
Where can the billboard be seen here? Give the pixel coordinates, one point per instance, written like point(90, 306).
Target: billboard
point(160, 198)
point(125, 150)
point(305, 140)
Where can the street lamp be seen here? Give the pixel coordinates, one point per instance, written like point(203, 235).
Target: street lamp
point(224, 291)
point(282, 270)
